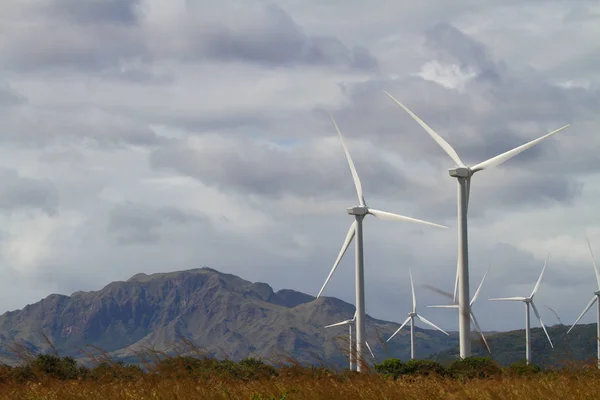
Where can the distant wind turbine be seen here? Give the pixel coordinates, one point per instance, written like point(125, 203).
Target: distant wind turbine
point(463, 174)
point(411, 318)
point(591, 303)
point(359, 212)
point(555, 314)
point(470, 309)
point(529, 301)
point(351, 323)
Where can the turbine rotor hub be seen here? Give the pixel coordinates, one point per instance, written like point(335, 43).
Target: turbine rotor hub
point(358, 210)
point(460, 172)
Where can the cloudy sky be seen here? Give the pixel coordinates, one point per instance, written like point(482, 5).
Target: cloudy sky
point(149, 135)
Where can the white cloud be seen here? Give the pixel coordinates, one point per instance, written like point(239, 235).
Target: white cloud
point(449, 76)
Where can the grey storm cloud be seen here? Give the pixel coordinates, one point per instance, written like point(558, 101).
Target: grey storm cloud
point(93, 11)
point(8, 97)
point(21, 193)
point(452, 45)
point(88, 126)
point(133, 223)
point(76, 34)
point(314, 169)
point(260, 32)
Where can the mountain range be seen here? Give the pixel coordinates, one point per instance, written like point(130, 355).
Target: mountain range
point(227, 316)
point(222, 314)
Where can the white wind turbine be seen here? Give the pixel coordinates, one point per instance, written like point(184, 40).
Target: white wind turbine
point(591, 303)
point(469, 310)
point(411, 318)
point(529, 301)
point(463, 174)
point(359, 212)
point(350, 323)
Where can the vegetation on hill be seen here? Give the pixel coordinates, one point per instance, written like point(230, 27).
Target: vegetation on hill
point(509, 347)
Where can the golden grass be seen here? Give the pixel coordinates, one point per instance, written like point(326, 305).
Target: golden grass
point(569, 385)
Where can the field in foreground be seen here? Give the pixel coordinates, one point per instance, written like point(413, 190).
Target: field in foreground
point(359, 387)
point(52, 377)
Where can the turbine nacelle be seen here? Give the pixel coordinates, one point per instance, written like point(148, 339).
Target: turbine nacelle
point(358, 210)
point(461, 172)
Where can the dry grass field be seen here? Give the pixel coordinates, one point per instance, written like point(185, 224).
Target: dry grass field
point(53, 377)
point(305, 387)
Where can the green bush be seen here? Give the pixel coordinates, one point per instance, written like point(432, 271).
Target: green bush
point(118, 370)
point(474, 367)
point(391, 367)
point(248, 368)
point(520, 368)
point(423, 367)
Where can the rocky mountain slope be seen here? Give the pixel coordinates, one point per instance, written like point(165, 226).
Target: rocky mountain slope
point(220, 313)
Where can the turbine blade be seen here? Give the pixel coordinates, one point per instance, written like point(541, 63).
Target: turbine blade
point(370, 351)
point(437, 290)
point(395, 217)
point(537, 284)
point(590, 304)
point(594, 261)
point(494, 161)
point(480, 332)
point(346, 322)
point(432, 324)
point(555, 314)
point(349, 237)
point(441, 142)
point(412, 286)
point(357, 183)
point(399, 329)
point(509, 299)
point(479, 287)
point(537, 314)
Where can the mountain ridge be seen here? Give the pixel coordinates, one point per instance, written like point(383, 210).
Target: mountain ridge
point(222, 313)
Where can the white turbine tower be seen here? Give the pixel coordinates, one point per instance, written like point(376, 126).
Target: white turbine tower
point(463, 174)
point(591, 303)
point(469, 310)
point(350, 323)
point(529, 301)
point(411, 318)
point(359, 212)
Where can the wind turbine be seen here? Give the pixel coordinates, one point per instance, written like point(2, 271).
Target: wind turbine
point(411, 318)
point(470, 309)
point(350, 323)
point(529, 301)
point(359, 212)
point(594, 299)
point(463, 174)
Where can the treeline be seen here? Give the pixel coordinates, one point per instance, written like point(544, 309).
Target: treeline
point(51, 366)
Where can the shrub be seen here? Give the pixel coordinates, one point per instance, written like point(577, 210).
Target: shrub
point(521, 368)
point(117, 370)
point(391, 367)
point(474, 367)
point(423, 367)
point(50, 365)
point(254, 368)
